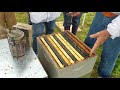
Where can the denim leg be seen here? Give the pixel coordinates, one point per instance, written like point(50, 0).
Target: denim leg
point(111, 47)
point(50, 26)
point(74, 29)
point(110, 53)
point(67, 21)
point(37, 31)
point(76, 20)
point(75, 23)
point(99, 23)
point(94, 28)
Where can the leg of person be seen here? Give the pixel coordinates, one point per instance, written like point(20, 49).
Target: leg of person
point(37, 31)
point(2, 19)
point(104, 69)
point(75, 23)
point(110, 53)
point(29, 21)
point(50, 26)
point(10, 19)
point(95, 27)
point(99, 23)
point(3, 32)
point(67, 21)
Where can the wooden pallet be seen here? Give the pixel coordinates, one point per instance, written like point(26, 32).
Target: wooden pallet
point(60, 26)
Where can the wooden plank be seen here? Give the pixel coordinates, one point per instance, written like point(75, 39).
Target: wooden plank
point(55, 51)
point(76, 46)
point(78, 58)
point(52, 53)
point(76, 52)
point(59, 51)
point(64, 52)
point(82, 45)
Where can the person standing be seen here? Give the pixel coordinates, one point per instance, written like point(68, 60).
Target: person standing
point(104, 26)
point(41, 20)
point(72, 18)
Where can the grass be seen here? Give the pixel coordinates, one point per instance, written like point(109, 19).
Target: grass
point(22, 17)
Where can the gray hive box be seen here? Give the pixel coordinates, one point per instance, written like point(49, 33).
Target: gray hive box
point(78, 69)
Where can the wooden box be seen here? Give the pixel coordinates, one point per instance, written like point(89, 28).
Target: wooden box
point(63, 55)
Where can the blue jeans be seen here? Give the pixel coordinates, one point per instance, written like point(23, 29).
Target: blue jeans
point(110, 49)
point(74, 21)
point(38, 30)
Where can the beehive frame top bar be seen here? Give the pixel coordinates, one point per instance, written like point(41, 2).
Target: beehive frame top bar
point(64, 47)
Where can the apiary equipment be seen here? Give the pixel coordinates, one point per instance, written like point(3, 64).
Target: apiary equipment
point(63, 55)
point(17, 43)
point(27, 29)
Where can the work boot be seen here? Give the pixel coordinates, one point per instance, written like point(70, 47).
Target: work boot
point(29, 22)
point(67, 28)
point(74, 29)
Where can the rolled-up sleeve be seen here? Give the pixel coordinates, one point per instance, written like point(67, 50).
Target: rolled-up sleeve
point(114, 28)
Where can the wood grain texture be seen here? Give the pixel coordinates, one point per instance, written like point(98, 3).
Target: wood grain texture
point(52, 53)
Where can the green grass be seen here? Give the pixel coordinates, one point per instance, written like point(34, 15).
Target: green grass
point(22, 17)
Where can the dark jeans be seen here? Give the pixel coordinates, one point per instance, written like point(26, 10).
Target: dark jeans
point(111, 47)
point(74, 21)
point(38, 30)
point(29, 21)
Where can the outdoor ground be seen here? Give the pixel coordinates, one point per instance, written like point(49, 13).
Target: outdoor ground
point(22, 17)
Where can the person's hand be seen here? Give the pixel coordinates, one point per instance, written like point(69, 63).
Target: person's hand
point(101, 37)
point(71, 13)
point(76, 14)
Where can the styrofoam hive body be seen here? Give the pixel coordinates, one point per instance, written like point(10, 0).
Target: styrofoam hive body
point(76, 70)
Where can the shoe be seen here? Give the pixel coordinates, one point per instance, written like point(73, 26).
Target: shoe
point(74, 29)
point(30, 23)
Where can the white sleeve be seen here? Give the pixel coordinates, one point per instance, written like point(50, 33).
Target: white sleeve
point(114, 28)
point(118, 13)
